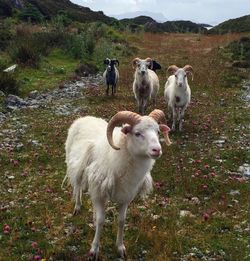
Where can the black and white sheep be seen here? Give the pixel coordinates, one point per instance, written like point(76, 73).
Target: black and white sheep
point(111, 74)
point(113, 163)
point(177, 93)
point(146, 83)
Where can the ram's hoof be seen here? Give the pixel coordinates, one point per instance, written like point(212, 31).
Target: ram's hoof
point(122, 252)
point(76, 211)
point(92, 256)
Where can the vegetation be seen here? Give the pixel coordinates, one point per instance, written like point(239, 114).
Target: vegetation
point(195, 174)
point(50, 8)
point(199, 209)
point(241, 24)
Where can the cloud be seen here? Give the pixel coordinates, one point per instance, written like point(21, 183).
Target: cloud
point(195, 10)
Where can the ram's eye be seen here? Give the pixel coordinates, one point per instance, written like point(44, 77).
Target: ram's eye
point(185, 75)
point(137, 134)
point(175, 76)
point(158, 132)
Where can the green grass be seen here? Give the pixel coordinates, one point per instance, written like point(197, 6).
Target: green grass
point(55, 68)
point(39, 210)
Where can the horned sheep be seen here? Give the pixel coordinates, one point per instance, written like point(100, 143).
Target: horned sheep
point(146, 83)
point(113, 163)
point(177, 93)
point(111, 74)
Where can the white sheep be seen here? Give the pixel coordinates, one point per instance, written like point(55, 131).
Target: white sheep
point(113, 172)
point(146, 83)
point(177, 93)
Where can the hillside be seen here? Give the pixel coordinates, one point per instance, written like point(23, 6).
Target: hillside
point(150, 25)
point(182, 27)
point(238, 25)
point(49, 8)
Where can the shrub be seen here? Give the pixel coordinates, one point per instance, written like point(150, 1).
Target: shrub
point(8, 83)
point(26, 54)
point(5, 38)
point(31, 14)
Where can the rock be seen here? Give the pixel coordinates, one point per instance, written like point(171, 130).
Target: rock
point(33, 94)
point(13, 102)
point(234, 192)
point(186, 213)
point(245, 170)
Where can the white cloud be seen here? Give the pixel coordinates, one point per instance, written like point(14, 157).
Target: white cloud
point(207, 11)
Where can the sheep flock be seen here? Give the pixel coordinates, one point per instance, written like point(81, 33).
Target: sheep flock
point(112, 160)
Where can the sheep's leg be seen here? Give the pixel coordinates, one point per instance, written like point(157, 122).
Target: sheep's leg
point(107, 90)
point(99, 208)
point(113, 91)
point(121, 222)
point(174, 118)
point(182, 112)
point(77, 193)
point(140, 105)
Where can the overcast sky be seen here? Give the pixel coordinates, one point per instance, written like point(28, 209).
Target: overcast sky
point(203, 11)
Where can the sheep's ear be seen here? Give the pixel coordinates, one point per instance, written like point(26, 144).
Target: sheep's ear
point(126, 129)
point(156, 66)
point(117, 62)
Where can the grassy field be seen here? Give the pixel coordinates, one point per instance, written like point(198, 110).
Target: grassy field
point(194, 175)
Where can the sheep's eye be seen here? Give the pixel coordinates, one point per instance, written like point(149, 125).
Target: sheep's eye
point(185, 75)
point(158, 132)
point(175, 76)
point(137, 134)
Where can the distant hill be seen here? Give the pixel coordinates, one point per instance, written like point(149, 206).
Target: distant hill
point(150, 25)
point(238, 25)
point(159, 17)
point(139, 20)
point(49, 8)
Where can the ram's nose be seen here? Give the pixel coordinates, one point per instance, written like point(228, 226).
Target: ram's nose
point(155, 152)
point(143, 72)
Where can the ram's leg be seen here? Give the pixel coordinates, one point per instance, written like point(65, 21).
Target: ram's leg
point(182, 112)
point(77, 196)
point(140, 105)
point(107, 90)
point(113, 89)
point(99, 208)
point(174, 110)
point(144, 105)
point(121, 222)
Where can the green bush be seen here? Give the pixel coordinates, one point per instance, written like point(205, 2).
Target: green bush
point(5, 38)
point(31, 14)
point(9, 83)
point(26, 54)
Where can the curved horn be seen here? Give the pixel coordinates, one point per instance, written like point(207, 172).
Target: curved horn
point(119, 118)
point(189, 69)
point(159, 116)
point(135, 62)
point(117, 62)
point(149, 60)
point(172, 69)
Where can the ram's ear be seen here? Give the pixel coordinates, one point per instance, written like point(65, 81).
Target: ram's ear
point(126, 129)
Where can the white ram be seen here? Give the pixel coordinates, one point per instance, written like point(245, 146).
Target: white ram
point(146, 83)
point(177, 93)
point(113, 172)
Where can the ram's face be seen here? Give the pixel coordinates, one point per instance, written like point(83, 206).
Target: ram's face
point(144, 139)
point(180, 78)
point(142, 67)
